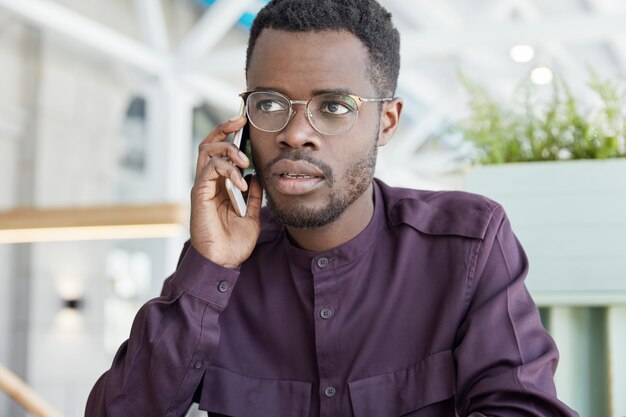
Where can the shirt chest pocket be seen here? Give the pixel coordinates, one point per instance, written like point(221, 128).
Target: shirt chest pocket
point(228, 393)
point(421, 390)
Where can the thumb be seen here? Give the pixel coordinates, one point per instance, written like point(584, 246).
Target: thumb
point(255, 199)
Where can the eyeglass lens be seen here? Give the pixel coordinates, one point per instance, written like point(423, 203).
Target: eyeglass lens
point(328, 113)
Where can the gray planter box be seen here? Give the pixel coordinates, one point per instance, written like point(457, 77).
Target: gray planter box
point(571, 219)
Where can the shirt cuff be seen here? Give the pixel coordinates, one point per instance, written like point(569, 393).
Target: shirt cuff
point(205, 279)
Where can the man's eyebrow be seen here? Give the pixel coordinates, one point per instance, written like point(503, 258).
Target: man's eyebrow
point(277, 90)
point(342, 91)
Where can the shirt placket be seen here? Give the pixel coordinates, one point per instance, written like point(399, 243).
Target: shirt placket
point(325, 312)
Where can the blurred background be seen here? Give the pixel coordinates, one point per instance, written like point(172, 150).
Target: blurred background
point(103, 104)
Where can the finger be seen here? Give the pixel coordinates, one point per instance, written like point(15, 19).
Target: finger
point(224, 150)
point(217, 168)
point(207, 151)
point(221, 131)
point(255, 199)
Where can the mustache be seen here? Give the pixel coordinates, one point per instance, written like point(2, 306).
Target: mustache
point(299, 155)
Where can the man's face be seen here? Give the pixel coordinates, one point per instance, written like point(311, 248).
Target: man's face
point(310, 178)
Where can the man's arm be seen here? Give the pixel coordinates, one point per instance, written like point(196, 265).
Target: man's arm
point(157, 370)
point(505, 359)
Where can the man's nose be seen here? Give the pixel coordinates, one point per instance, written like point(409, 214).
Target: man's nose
point(299, 132)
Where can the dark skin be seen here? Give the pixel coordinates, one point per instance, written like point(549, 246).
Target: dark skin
point(296, 65)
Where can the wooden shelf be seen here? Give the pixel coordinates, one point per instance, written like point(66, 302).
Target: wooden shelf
point(27, 224)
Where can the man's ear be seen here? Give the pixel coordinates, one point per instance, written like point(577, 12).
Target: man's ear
point(389, 118)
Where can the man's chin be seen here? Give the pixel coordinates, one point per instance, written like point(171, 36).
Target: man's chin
point(304, 216)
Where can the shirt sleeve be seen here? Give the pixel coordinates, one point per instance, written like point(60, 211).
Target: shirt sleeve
point(173, 338)
point(505, 358)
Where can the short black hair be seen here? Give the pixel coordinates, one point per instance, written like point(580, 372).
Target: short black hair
point(366, 19)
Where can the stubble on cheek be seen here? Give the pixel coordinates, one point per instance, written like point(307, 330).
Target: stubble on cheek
point(301, 215)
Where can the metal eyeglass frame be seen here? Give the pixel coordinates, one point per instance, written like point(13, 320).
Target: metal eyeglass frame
point(357, 99)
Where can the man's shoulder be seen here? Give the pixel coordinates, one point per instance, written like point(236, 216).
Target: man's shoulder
point(439, 212)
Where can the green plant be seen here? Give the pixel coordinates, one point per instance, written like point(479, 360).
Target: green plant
point(539, 127)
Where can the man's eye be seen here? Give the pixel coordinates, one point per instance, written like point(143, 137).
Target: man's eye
point(335, 108)
point(270, 106)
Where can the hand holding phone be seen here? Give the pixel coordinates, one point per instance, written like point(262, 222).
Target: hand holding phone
point(218, 231)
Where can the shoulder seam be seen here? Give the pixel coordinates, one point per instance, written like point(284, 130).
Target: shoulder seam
point(475, 254)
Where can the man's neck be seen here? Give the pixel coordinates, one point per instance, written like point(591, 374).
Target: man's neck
point(352, 222)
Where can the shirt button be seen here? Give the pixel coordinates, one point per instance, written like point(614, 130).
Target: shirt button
point(326, 313)
point(330, 392)
point(322, 262)
point(198, 365)
point(223, 286)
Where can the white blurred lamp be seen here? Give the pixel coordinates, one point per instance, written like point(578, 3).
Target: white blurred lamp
point(541, 75)
point(522, 53)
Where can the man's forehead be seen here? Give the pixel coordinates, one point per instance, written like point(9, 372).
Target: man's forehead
point(309, 61)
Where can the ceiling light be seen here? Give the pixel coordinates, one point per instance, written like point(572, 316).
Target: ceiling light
point(522, 53)
point(541, 75)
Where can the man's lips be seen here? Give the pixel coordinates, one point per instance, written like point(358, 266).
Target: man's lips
point(296, 168)
point(296, 177)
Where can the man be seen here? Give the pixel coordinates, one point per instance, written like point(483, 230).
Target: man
point(345, 297)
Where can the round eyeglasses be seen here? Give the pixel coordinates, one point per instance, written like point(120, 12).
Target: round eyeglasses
point(328, 113)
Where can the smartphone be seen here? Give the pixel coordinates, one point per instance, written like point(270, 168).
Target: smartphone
point(241, 139)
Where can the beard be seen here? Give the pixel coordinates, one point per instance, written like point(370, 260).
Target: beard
point(302, 216)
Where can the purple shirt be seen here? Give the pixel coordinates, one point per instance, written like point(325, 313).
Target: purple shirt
point(424, 313)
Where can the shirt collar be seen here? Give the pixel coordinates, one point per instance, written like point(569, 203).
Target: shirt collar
point(344, 253)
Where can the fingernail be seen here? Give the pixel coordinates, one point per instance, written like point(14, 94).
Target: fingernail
point(243, 156)
point(233, 119)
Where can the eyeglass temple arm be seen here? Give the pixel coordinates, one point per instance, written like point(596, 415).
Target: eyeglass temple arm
point(365, 99)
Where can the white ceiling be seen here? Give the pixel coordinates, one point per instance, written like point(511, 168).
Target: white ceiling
point(439, 39)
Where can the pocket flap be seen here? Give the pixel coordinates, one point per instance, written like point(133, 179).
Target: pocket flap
point(232, 394)
point(394, 394)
